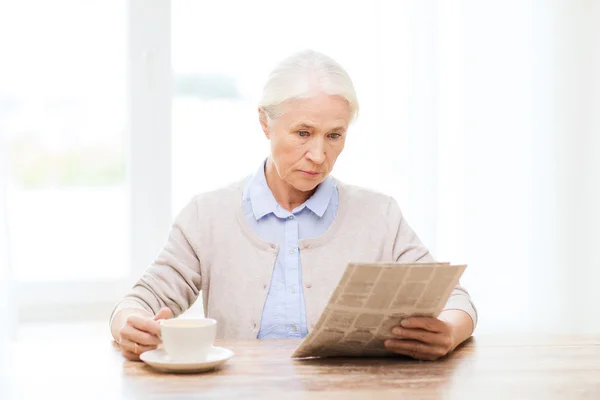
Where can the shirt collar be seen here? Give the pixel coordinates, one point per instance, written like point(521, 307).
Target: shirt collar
point(263, 202)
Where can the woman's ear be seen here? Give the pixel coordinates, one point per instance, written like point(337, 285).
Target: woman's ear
point(264, 122)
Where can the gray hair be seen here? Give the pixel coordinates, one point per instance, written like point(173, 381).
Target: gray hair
point(303, 75)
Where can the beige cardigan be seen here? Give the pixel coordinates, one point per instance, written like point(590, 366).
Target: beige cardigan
point(211, 248)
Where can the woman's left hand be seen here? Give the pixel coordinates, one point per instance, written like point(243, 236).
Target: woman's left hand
point(422, 338)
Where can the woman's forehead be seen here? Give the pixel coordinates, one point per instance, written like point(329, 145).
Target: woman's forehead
point(318, 101)
point(315, 110)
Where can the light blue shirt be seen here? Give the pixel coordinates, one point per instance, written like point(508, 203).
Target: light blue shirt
point(284, 313)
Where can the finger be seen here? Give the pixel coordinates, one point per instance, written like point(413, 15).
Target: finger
point(427, 323)
point(409, 347)
point(130, 356)
point(418, 356)
point(164, 313)
point(131, 347)
point(141, 337)
point(439, 339)
point(144, 324)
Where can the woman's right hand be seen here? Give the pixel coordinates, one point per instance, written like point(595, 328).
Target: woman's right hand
point(140, 332)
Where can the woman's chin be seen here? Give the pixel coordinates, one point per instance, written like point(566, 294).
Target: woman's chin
point(306, 185)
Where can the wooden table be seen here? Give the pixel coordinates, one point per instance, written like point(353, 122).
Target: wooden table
point(543, 367)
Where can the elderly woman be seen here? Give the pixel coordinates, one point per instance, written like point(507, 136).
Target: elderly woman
point(266, 252)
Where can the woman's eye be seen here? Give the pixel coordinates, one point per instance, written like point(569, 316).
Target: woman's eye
point(335, 135)
point(303, 133)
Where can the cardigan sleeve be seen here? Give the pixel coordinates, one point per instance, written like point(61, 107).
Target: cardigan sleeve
point(407, 247)
point(174, 279)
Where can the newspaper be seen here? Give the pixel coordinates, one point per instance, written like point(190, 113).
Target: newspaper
point(370, 299)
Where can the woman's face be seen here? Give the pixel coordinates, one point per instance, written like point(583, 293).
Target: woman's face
point(308, 138)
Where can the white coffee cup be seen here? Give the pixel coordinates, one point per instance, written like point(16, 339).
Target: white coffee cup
point(188, 339)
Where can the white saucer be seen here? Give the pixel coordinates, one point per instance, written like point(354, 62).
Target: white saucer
point(160, 360)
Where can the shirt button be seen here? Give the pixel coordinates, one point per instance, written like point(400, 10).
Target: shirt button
point(292, 291)
point(294, 328)
point(292, 250)
point(291, 217)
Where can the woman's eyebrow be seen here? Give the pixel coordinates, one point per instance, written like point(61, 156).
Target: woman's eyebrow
point(304, 125)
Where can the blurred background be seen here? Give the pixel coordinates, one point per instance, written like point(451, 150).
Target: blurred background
point(481, 117)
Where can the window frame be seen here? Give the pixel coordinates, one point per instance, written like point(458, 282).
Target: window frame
point(148, 181)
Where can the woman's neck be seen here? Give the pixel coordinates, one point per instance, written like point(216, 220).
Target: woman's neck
point(285, 194)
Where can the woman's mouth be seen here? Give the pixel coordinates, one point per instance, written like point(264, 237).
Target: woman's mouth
point(310, 174)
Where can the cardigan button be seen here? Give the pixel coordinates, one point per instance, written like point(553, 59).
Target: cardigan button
point(254, 326)
point(308, 285)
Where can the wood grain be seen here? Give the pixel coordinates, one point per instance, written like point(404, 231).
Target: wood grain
point(532, 367)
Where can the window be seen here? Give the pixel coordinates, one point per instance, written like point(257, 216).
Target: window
point(79, 116)
point(62, 105)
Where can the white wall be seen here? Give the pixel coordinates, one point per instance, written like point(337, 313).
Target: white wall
point(531, 144)
point(7, 313)
point(577, 106)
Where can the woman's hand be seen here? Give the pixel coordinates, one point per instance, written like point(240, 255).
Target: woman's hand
point(422, 338)
point(139, 333)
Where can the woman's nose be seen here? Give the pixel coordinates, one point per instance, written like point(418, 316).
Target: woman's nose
point(316, 153)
